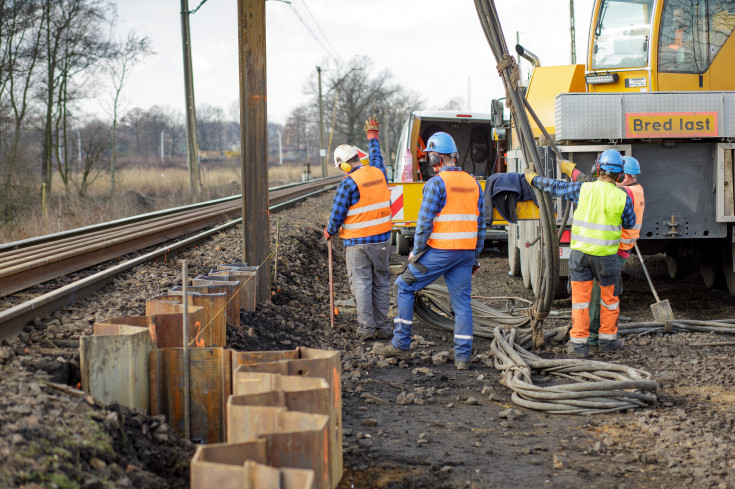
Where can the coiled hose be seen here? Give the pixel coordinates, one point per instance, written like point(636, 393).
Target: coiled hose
point(433, 306)
point(598, 387)
point(508, 70)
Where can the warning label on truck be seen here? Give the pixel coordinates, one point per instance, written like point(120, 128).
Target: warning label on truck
point(671, 124)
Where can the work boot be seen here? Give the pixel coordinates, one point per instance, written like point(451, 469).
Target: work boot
point(388, 350)
point(384, 334)
point(580, 350)
point(462, 364)
point(610, 345)
point(365, 334)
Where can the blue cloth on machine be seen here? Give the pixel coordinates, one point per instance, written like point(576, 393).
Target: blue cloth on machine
point(503, 191)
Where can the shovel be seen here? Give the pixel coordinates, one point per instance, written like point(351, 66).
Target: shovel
point(661, 309)
point(331, 285)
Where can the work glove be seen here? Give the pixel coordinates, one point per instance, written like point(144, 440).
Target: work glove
point(475, 267)
point(567, 167)
point(372, 128)
point(530, 175)
point(410, 256)
point(326, 234)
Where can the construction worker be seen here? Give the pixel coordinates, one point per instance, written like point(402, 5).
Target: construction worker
point(362, 209)
point(450, 234)
point(631, 170)
point(603, 210)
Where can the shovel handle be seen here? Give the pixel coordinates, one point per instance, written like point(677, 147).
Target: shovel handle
point(645, 270)
point(331, 284)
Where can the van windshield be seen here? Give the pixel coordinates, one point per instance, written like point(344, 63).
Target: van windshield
point(621, 34)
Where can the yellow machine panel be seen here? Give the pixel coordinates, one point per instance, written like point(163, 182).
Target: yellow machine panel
point(546, 83)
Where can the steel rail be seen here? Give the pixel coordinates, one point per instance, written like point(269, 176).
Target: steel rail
point(12, 320)
point(32, 262)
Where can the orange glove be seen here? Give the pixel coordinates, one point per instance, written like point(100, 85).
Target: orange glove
point(326, 234)
point(372, 128)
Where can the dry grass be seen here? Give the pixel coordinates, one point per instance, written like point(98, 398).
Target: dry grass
point(137, 191)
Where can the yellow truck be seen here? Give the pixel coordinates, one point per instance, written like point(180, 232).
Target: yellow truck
point(481, 153)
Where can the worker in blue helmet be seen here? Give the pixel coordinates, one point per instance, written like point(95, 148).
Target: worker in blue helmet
point(628, 238)
point(450, 234)
point(603, 211)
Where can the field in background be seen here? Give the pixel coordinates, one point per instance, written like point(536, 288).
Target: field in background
point(138, 191)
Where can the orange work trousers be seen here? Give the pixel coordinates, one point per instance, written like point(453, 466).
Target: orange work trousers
point(583, 269)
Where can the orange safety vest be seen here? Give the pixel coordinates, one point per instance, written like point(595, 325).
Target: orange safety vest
point(371, 214)
point(455, 226)
point(630, 236)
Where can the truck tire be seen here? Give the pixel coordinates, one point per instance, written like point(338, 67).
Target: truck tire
point(727, 262)
point(514, 254)
point(534, 263)
point(525, 255)
point(403, 244)
point(710, 266)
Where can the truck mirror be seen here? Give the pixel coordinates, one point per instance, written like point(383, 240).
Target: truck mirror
point(496, 113)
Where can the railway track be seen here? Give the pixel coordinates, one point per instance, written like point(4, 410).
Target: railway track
point(29, 263)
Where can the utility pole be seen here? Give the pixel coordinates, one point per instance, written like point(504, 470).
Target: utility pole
point(79, 147)
point(254, 140)
point(571, 29)
point(322, 150)
point(162, 132)
point(191, 117)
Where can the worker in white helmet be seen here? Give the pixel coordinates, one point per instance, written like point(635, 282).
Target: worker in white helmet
point(362, 210)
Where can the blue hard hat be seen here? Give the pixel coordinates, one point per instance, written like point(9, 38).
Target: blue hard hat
point(441, 142)
point(611, 160)
point(631, 166)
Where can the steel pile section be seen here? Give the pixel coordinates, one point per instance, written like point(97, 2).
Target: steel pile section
point(249, 465)
point(301, 439)
point(306, 362)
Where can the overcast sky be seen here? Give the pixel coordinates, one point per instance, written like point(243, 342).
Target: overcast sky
point(435, 47)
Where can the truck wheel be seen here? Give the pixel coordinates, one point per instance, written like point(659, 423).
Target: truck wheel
point(680, 267)
point(514, 254)
point(727, 262)
point(535, 263)
point(403, 244)
point(525, 256)
point(710, 265)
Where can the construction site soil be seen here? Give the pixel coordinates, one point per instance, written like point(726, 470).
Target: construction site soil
point(407, 424)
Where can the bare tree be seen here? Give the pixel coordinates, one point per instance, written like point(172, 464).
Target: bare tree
point(73, 42)
point(125, 55)
point(96, 155)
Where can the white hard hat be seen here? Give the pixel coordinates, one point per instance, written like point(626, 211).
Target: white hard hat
point(343, 153)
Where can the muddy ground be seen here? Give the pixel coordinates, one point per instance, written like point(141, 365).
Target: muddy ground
point(411, 424)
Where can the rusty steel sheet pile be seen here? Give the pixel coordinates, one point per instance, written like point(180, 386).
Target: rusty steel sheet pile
point(265, 419)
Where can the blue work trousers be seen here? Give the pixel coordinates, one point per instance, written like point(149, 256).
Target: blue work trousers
point(456, 267)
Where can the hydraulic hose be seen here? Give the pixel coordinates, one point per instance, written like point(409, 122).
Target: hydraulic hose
point(508, 70)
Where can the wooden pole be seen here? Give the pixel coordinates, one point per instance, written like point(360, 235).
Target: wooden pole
point(192, 146)
point(254, 140)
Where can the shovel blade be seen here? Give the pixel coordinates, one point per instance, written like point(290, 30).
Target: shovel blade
point(662, 311)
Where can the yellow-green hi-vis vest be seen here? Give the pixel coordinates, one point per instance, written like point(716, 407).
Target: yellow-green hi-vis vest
point(597, 223)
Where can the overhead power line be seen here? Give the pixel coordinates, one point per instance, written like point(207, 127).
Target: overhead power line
point(313, 27)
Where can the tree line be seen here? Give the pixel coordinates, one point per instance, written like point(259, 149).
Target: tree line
point(57, 53)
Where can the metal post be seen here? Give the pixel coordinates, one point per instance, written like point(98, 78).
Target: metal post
point(254, 139)
point(79, 148)
point(322, 150)
point(185, 343)
point(280, 149)
point(162, 132)
point(571, 29)
point(191, 118)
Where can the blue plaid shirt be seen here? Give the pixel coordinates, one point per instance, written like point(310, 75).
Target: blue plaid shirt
point(570, 191)
point(348, 195)
point(434, 200)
